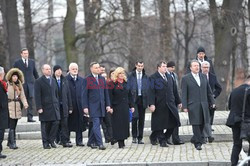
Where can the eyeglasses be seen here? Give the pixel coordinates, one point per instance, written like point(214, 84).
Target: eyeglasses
point(206, 67)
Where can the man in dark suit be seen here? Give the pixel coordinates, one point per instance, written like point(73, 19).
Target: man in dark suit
point(77, 121)
point(65, 106)
point(197, 97)
point(47, 105)
point(138, 83)
point(96, 103)
point(162, 97)
point(4, 111)
point(175, 136)
point(235, 105)
point(216, 90)
point(28, 67)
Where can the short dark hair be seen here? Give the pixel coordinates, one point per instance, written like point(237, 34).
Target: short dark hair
point(170, 64)
point(138, 61)
point(160, 63)
point(24, 49)
point(92, 64)
point(102, 66)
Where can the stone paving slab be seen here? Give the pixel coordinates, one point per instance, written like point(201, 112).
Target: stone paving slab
point(221, 133)
point(219, 119)
point(30, 152)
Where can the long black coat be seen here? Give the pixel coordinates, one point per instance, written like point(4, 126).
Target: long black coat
point(64, 96)
point(4, 112)
point(46, 98)
point(197, 99)
point(235, 105)
point(30, 74)
point(76, 120)
point(163, 95)
point(133, 86)
point(214, 84)
point(121, 101)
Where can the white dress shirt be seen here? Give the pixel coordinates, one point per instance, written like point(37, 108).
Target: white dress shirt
point(197, 78)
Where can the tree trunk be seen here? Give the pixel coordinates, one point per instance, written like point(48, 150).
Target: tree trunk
point(92, 15)
point(49, 35)
point(136, 37)
point(165, 30)
point(11, 28)
point(69, 32)
point(225, 32)
point(29, 35)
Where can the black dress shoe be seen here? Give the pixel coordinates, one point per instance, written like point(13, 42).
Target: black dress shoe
point(113, 142)
point(198, 147)
point(80, 144)
point(210, 139)
point(2, 156)
point(140, 141)
point(178, 142)
point(163, 144)
point(46, 147)
point(53, 145)
point(134, 140)
point(31, 120)
point(168, 142)
point(101, 147)
point(67, 145)
point(93, 146)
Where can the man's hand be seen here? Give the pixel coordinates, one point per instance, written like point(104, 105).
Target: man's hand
point(70, 111)
point(132, 109)
point(185, 110)
point(108, 108)
point(152, 108)
point(213, 106)
point(111, 111)
point(40, 111)
point(180, 105)
point(86, 111)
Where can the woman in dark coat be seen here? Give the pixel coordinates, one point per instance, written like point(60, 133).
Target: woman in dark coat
point(121, 101)
point(4, 112)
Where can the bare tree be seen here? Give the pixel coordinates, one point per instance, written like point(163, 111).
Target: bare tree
point(29, 28)
point(225, 24)
point(69, 32)
point(11, 30)
point(165, 30)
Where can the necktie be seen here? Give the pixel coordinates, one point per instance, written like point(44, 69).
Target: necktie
point(139, 83)
point(49, 79)
point(74, 78)
point(59, 83)
point(25, 63)
point(96, 77)
point(164, 77)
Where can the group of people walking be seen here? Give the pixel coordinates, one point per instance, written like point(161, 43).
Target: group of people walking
point(72, 103)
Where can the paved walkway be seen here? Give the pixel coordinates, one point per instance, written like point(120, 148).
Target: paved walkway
point(30, 152)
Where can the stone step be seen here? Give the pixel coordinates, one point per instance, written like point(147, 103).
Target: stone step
point(221, 133)
point(219, 119)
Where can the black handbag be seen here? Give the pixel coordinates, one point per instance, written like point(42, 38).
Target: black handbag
point(245, 123)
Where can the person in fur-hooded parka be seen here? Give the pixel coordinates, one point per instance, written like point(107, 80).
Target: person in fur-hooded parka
point(16, 96)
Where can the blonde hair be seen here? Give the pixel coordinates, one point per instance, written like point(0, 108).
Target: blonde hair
point(117, 71)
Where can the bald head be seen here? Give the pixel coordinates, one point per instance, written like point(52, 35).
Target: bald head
point(46, 70)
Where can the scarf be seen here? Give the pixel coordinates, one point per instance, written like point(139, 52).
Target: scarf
point(4, 84)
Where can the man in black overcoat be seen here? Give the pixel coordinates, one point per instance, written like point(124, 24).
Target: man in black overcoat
point(197, 98)
point(162, 104)
point(76, 120)
point(47, 105)
point(235, 105)
point(28, 67)
point(65, 106)
point(4, 112)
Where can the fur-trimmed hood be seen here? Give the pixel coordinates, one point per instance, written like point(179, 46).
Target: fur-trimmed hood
point(15, 70)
